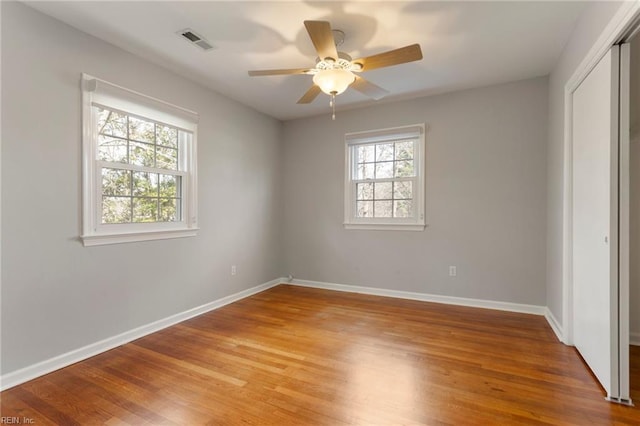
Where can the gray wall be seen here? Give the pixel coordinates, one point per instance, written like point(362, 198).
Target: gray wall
point(588, 28)
point(58, 295)
point(485, 193)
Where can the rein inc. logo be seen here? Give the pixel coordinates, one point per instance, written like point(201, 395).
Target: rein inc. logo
point(5, 420)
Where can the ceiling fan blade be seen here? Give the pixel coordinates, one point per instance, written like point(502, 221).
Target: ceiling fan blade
point(322, 38)
point(310, 95)
point(279, 72)
point(392, 57)
point(368, 88)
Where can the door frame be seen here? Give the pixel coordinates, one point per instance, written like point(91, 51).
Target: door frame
point(624, 201)
point(616, 31)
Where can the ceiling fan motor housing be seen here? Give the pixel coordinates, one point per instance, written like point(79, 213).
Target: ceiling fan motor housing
point(343, 62)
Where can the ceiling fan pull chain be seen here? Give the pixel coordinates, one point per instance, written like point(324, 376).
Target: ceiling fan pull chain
point(332, 104)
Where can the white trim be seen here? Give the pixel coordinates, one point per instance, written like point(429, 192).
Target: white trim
point(634, 338)
point(1, 151)
point(613, 32)
point(31, 372)
point(132, 237)
point(617, 370)
point(113, 96)
point(425, 297)
point(385, 226)
point(567, 222)
point(624, 180)
point(382, 135)
point(553, 323)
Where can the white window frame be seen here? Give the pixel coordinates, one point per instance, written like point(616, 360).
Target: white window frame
point(352, 140)
point(97, 92)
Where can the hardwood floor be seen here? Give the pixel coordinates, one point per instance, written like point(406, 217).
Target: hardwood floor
point(295, 356)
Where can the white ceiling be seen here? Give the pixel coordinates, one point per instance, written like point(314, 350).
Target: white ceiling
point(465, 44)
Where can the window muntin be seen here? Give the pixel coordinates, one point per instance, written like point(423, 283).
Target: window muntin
point(139, 161)
point(384, 182)
point(384, 177)
point(139, 166)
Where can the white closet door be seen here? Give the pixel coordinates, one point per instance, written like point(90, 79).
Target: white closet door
point(595, 221)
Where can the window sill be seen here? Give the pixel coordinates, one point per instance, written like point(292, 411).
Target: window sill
point(386, 226)
point(132, 237)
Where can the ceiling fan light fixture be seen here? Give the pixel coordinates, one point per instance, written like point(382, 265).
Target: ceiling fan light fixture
point(333, 81)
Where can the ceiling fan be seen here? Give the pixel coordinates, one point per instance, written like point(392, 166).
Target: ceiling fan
point(334, 70)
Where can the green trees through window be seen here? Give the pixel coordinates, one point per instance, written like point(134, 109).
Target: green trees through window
point(140, 169)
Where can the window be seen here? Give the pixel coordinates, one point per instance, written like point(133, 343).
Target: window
point(139, 166)
point(384, 185)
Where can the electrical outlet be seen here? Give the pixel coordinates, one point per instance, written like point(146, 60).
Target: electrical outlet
point(233, 270)
point(453, 271)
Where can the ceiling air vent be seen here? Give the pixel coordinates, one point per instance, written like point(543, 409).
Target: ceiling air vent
point(195, 39)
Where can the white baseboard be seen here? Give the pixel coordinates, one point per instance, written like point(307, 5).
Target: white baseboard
point(425, 297)
point(17, 377)
point(634, 338)
point(554, 324)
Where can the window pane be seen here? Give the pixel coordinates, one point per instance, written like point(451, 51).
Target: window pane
point(364, 191)
point(404, 150)
point(145, 210)
point(116, 182)
point(383, 190)
point(364, 208)
point(366, 153)
point(382, 208)
point(116, 209)
point(168, 210)
point(112, 123)
point(402, 208)
point(384, 152)
point(167, 136)
point(141, 154)
point(112, 149)
point(365, 171)
point(403, 190)
point(168, 185)
point(141, 130)
point(167, 158)
point(404, 168)
point(145, 184)
point(384, 170)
